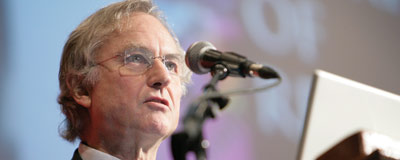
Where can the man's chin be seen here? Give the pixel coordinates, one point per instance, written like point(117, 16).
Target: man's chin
point(161, 128)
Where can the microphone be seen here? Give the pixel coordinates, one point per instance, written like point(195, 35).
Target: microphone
point(202, 56)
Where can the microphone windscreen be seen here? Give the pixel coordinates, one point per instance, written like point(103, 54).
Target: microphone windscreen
point(194, 54)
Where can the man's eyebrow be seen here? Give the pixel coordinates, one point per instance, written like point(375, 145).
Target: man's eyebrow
point(136, 47)
point(178, 56)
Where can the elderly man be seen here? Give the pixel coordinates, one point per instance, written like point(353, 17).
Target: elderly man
point(121, 77)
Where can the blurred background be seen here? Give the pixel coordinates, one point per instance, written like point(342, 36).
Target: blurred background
point(356, 39)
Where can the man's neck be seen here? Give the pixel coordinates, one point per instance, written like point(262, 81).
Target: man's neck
point(125, 147)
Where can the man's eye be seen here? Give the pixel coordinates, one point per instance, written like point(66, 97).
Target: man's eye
point(136, 58)
point(172, 66)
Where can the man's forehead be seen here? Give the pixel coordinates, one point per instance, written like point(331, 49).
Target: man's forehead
point(142, 30)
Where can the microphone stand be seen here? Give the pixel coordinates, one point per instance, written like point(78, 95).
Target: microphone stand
point(191, 138)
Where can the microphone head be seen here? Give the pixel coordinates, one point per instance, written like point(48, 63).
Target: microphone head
point(194, 55)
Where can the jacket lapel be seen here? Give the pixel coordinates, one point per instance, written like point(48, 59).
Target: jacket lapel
point(76, 156)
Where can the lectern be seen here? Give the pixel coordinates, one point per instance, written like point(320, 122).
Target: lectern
point(339, 109)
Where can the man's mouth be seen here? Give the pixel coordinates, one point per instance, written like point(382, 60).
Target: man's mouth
point(157, 100)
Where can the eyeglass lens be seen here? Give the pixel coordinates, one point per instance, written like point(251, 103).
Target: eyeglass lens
point(139, 60)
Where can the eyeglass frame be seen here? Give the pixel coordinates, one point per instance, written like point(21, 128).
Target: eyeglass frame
point(146, 52)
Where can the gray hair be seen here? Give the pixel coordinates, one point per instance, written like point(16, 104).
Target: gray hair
point(77, 74)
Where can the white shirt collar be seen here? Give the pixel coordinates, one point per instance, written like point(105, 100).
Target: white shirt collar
point(89, 153)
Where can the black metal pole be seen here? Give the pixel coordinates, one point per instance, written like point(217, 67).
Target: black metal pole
point(191, 138)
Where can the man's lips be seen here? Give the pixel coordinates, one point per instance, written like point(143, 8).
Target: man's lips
point(157, 100)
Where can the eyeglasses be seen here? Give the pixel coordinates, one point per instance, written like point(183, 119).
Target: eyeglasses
point(137, 61)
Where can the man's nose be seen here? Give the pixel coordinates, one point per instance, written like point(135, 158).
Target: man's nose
point(158, 75)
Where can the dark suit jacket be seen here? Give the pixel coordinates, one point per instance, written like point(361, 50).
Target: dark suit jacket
point(76, 156)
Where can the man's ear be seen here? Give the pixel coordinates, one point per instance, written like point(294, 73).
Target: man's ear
point(78, 92)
